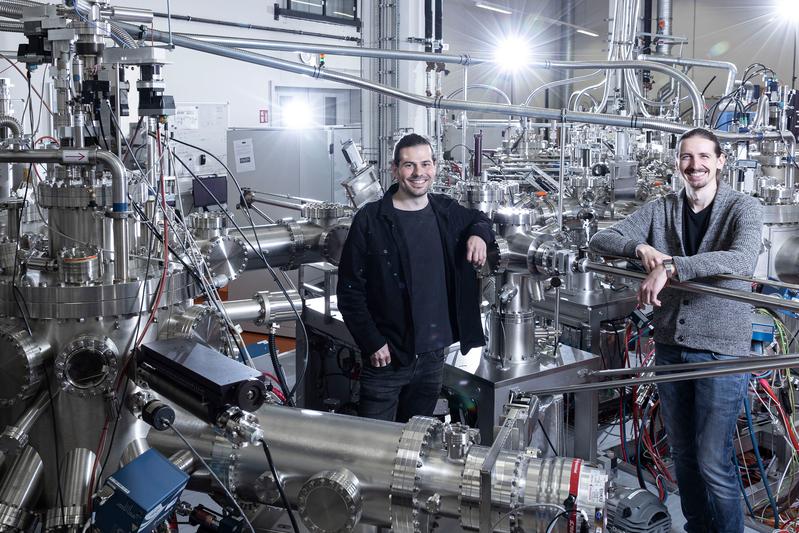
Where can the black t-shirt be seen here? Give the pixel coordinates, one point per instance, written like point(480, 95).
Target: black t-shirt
point(694, 227)
point(428, 283)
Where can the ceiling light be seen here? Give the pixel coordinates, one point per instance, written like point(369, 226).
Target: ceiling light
point(587, 32)
point(787, 9)
point(296, 114)
point(512, 53)
point(492, 7)
point(343, 14)
point(307, 3)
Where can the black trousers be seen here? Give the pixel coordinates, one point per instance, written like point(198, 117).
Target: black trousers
point(398, 393)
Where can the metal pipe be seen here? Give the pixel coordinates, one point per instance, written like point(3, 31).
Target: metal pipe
point(439, 102)
point(119, 190)
point(732, 70)
point(133, 450)
point(562, 170)
point(484, 86)
point(12, 26)
point(76, 476)
point(19, 490)
point(128, 14)
point(242, 310)
point(305, 443)
point(558, 83)
point(331, 49)
point(185, 460)
point(749, 364)
point(16, 436)
point(677, 367)
point(11, 124)
point(284, 244)
point(664, 27)
point(567, 36)
point(277, 203)
point(249, 26)
point(699, 288)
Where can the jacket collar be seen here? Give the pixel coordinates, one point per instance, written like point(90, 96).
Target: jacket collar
point(387, 209)
point(724, 195)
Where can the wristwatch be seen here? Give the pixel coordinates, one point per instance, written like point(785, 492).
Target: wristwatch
point(668, 265)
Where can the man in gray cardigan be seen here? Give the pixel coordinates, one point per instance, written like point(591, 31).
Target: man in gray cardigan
point(704, 230)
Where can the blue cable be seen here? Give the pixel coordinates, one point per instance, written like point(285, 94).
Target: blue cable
point(755, 448)
point(741, 484)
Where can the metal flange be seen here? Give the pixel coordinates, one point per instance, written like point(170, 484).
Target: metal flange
point(414, 443)
point(87, 366)
point(24, 358)
point(331, 502)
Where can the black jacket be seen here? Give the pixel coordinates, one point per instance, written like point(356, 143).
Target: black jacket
point(372, 291)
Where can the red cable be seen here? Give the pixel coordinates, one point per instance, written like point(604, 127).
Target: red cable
point(46, 138)
point(162, 283)
point(786, 422)
point(276, 388)
point(94, 464)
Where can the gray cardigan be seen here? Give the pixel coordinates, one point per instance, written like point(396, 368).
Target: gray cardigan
point(730, 246)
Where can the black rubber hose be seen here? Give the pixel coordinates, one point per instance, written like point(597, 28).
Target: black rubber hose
point(281, 376)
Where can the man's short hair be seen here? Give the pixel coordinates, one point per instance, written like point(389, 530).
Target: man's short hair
point(704, 134)
point(411, 139)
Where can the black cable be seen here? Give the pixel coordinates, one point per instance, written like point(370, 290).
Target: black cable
point(15, 291)
point(551, 524)
point(30, 102)
point(127, 379)
point(298, 381)
point(708, 85)
point(56, 440)
point(279, 486)
point(281, 376)
point(547, 437)
point(213, 475)
point(132, 138)
point(102, 134)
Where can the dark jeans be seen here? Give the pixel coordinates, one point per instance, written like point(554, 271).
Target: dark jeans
point(398, 393)
point(700, 418)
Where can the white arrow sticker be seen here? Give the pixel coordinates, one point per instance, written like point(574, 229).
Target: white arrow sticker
point(75, 156)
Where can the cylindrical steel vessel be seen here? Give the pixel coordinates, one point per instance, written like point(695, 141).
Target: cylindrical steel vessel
point(401, 471)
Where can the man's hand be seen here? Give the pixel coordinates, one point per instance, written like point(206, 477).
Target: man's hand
point(651, 287)
point(381, 357)
point(649, 256)
point(476, 251)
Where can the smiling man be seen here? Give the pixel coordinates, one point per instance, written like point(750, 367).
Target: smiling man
point(704, 230)
point(407, 286)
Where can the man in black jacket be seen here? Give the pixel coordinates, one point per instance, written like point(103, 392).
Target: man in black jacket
point(407, 286)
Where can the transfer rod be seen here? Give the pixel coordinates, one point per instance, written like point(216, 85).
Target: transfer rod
point(746, 365)
point(634, 122)
point(680, 366)
point(750, 279)
point(699, 288)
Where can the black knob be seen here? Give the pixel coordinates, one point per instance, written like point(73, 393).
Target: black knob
point(158, 414)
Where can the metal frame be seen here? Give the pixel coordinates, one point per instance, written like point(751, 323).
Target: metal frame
point(324, 17)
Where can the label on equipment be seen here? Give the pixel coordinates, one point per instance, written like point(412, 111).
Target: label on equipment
point(118, 485)
point(244, 154)
point(75, 156)
point(591, 492)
